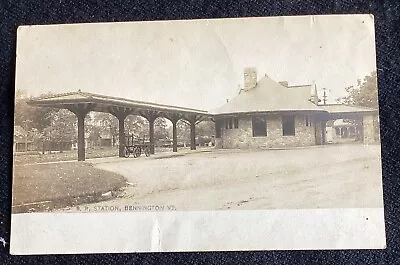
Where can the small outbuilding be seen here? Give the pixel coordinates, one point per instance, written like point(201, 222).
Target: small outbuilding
point(22, 143)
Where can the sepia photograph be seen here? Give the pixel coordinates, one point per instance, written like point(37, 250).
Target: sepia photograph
point(198, 116)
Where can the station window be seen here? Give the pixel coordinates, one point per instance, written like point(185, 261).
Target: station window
point(231, 123)
point(308, 120)
point(288, 126)
point(259, 126)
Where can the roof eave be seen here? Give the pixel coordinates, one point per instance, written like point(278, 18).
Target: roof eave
point(354, 112)
point(266, 111)
point(62, 103)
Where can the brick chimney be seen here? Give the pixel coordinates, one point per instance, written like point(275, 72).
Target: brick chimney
point(250, 78)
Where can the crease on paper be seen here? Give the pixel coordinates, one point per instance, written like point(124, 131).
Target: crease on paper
point(156, 236)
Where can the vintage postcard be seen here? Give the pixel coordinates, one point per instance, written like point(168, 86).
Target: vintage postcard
point(197, 135)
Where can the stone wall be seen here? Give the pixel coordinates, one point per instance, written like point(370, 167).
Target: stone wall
point(242, 137)
point(371, 129)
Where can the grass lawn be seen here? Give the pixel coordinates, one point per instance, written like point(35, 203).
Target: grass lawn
point(45, 187)
point(22, 158)
point(37, 157)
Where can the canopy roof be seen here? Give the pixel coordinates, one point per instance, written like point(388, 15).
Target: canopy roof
point(103, 103)
point(343, 109)
point(270, 96)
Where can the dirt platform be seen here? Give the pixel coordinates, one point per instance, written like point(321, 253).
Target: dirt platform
point(337, 176)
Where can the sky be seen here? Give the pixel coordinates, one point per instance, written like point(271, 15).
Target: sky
point(194, 63)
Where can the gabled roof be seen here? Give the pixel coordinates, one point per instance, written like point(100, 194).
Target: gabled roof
point(270, 96)
point(303, 91)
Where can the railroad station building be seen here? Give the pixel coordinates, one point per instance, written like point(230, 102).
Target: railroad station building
point(271, 114)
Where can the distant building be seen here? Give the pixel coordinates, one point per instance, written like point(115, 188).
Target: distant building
point(106, 137)
point(341, 131)
point(270, 114)
point(21, 141)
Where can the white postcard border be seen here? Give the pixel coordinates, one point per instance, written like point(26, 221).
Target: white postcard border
point(288, 229)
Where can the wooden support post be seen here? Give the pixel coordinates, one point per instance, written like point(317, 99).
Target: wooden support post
point(121, 135)
point(192, 119)
point(174, 137)
point(121, 113)
point(151, 134)
point(192, 135)
point(81, 136)
point(174, 118)
point(81, 110)
point(151, 116)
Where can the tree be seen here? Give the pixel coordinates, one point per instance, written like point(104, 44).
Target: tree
point(365, 94)
point(95, 135)
point(106, 124)
point(160, 129)
point(205, 129)
point(183, 132)
point(36, 138)
point(137, 126)
point(204, 132)
point(37, 117)
point(62, 128)
point(21, 109)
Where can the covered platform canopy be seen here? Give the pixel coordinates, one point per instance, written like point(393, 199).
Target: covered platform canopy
point(364, 115)
point(340, 111)
point(81, 103)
